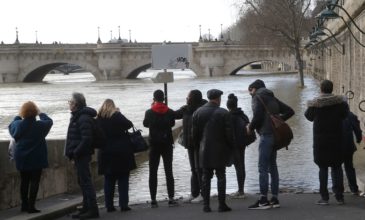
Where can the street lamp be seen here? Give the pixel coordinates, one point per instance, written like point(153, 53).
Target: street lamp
point(111, 36)
point(200, 33)
point(328, 13)
point(130, 36)
point(119, 33)
point(36, 37)
point(208, 34)
point(99, 41)
point(16, 39)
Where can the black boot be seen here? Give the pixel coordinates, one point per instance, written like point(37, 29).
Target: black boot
point(83, 210)
point(92, 213)
point(223, 207)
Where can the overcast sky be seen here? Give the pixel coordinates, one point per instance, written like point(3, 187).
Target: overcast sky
point(76, 21)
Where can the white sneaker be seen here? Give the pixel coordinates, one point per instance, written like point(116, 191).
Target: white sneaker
point(238, 195)
point(188, 199)
point(197, 199)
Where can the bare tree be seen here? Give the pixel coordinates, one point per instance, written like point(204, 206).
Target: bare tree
point(284, 20)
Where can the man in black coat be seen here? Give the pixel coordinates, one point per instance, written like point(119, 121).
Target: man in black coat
point(79, 149)
point(327, 113)
point(160, 119)
point(212, 132)
point(261, 122)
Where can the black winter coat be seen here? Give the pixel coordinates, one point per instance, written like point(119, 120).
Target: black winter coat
point(117, 157)
point(160, 120)
point(327, 113)
point(79, 133)
point(351, 127)
point(261, 120)
point(186, 114)
point(239, 122)
point(212, 132)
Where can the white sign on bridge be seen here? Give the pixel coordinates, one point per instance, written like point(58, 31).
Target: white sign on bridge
point(171, 56)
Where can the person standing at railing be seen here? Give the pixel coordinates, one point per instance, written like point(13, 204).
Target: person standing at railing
point(194, 100)
point(30, 151)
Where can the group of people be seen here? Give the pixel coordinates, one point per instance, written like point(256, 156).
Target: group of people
point(213, 136)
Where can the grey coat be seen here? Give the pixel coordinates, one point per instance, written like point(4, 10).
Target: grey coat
point(212, 132)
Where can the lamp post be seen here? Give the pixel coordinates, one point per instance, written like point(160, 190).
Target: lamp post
point(111, 36)
point(99, 41)
point(200, 33)
point(16, 39)
point(119, 33)
point(130, 36)
point(36, 37)
point(208, 34)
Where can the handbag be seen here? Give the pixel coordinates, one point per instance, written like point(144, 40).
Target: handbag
point(11, 149)
point(180, 139)
point(281, 130)
point(138, 142)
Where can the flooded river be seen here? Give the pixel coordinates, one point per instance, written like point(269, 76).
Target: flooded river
point(296, 168)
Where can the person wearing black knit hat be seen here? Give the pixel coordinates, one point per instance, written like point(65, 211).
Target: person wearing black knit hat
point(257, 84)
point(239, 123)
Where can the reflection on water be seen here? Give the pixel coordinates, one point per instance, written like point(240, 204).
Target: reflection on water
point(296, 168)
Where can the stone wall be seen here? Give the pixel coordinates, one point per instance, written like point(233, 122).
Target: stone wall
point(347, 71)
point(59, 178)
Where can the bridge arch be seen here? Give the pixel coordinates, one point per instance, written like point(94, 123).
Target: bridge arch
point(135, 72)
point(234, 68)
point(37, 71)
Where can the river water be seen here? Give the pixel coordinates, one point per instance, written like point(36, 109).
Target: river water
point(296, 168)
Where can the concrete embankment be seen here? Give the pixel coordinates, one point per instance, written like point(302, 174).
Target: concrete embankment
point(59, 178)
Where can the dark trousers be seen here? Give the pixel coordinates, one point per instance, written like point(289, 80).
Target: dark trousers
point(123, 188)
point(351, 174)
point(239, 165)
point(221, 184)
point(29, 185)
point(154, 161)
point(82, 165)
point(196, 173)
point(337, 182)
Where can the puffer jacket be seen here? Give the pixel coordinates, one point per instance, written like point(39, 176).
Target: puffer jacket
point(80, 133)
point(31, 147)
point(327, 113)
point(212, 132)
point(261, 120)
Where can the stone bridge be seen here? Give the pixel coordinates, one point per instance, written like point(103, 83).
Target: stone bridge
point(115, 61)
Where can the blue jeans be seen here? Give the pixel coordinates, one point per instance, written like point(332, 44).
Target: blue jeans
point(267, 164)
point(82, 165)
point(123, 187)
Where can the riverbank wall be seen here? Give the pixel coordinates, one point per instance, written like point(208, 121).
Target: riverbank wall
point(59, 178)
point(344, 65)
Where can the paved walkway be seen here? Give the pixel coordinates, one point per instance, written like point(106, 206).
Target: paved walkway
point(293, 206)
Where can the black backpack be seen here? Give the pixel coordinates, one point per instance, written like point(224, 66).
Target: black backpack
point(99, 137)
point(249, 138)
